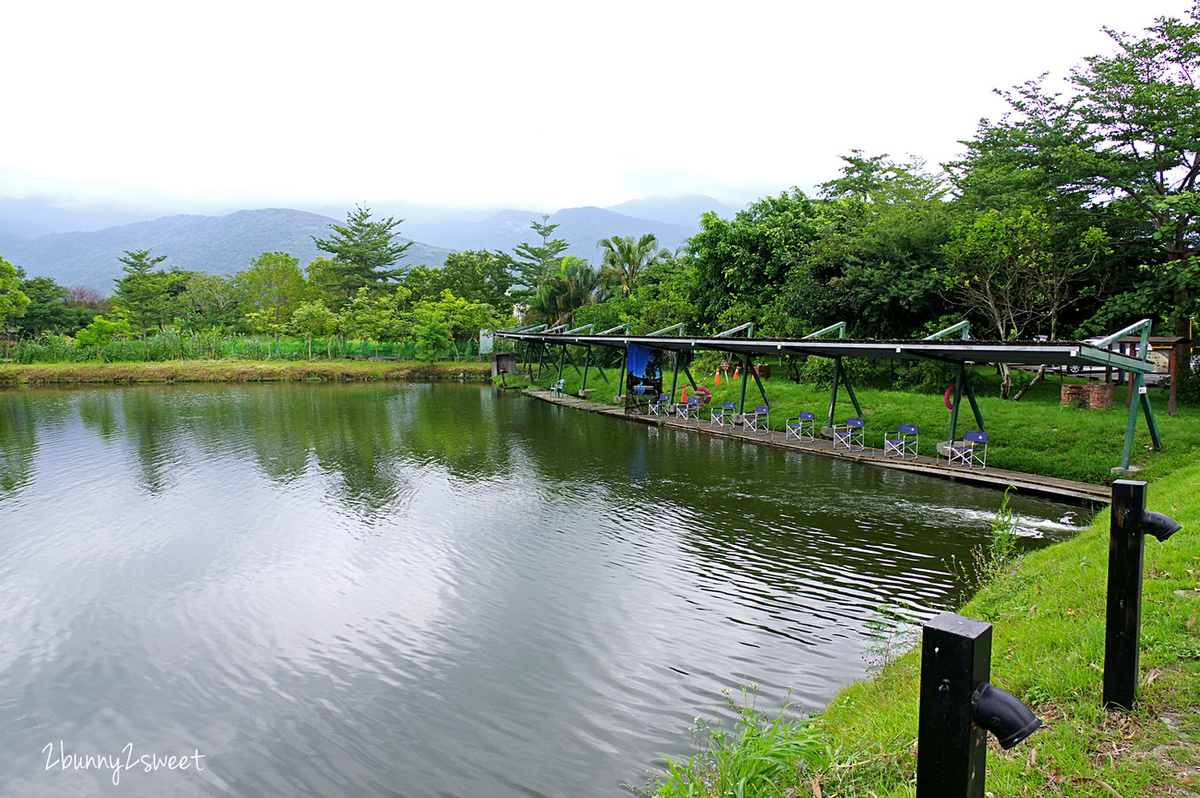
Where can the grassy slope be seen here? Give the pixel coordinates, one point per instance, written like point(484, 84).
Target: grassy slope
point(1048, 649)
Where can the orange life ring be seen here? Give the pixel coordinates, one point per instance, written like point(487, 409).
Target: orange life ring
point(949, 404)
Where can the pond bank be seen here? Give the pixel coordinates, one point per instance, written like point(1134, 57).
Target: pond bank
point(1034, 484)
point(12, 374)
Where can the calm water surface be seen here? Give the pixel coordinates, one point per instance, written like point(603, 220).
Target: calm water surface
point(413, 590)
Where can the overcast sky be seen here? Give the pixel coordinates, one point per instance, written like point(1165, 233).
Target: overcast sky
point(537, 105)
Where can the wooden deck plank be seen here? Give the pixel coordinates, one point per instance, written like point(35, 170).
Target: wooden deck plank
point(995, 477)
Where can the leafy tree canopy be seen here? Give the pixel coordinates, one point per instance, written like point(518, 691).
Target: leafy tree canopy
point(362, 251)
point(12, 299)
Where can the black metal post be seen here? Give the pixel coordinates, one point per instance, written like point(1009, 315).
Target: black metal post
point(956, 654)
point(1123, 624)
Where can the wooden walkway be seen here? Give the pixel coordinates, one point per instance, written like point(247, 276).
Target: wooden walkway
point(994, 477)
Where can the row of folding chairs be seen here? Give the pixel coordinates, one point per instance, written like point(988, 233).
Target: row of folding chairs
point(758, 420)
point(903, 442)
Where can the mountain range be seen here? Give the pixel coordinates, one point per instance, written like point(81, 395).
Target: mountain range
point(36, 236)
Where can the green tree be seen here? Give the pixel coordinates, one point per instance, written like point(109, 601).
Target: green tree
point(530, 264)
point(463, 317)
point(1007, 267)
point(433, 338)
point(477, 276)
point(47, 310)
point(369, 318)
point(209, 301)
point(141, 295)
point(313, 318)
point(100, 333)
point(1123, 147)
point(568, 288)
point(363, 250)
point(273, 286)
point(624, 258)
point(759, 266)
point(882, 262)
point(12, 299)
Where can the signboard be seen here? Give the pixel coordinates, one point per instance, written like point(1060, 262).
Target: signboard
point(644, 380)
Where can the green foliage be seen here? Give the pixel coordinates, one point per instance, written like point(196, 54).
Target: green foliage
point(927, 376)
point(272, 289)
point(433, 337)
point(1188, 388)
point(757, 758)
point(739, 268)
point(47, 310)
point(818, 371)
point(571, 286)
point(100, 334)
point(13, 300)
point(625, 259)
point(531, 264)
point(464, 318)
point(362, 250)
point(476, 276)
point(1121, 149)
point(313, 318)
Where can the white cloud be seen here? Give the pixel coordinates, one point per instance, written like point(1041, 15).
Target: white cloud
point(536, 103)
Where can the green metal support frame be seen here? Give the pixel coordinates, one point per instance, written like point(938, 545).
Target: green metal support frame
point(840, 376)
point(747, 370)
point(961, 382)
point(1137, 385)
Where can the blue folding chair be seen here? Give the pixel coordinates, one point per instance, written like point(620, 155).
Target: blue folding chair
point(902, 443)
point(660, 406)
point(759, 420)
point(689, 409)
point(725, 415)
point(849, 435)
point(803, 427)
point(970, 450)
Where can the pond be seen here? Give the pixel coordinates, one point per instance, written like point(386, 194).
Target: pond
point(426, 590)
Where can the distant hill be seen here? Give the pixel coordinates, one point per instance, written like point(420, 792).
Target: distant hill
point(213, 244)
point(228, 243)
point(581, 228)
point(685, 211)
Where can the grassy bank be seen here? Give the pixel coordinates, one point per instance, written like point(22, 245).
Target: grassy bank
point(1048, 615)
point(238, 371)
point(1035, 435)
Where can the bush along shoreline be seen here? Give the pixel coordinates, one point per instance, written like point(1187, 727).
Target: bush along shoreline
point(44, 374)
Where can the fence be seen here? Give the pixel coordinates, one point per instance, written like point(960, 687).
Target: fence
point(174, 345)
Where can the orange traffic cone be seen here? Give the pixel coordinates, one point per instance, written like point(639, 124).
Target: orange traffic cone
point(718, 377)
point(684, 397)
point(737, 372)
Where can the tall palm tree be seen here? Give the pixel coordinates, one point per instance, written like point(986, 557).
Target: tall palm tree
point(566, 289)
point(625, 258)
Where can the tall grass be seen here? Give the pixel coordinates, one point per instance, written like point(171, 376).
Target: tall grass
point(174, 344)
point(754, 758)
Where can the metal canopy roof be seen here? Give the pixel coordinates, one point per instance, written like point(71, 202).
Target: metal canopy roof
point(1033, 353)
